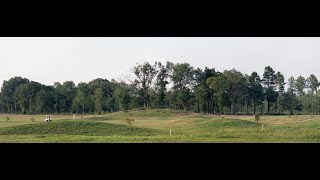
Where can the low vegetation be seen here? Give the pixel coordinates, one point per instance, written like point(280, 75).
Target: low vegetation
point(150, 126)
point(77, 128)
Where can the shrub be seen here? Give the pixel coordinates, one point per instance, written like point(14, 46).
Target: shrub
point(256, 117)
point(32, 119)
point(128, 120)
point(8, 118)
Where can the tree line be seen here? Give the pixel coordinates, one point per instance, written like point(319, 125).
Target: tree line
point(178, 86)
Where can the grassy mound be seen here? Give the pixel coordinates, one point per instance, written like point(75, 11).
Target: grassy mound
point(140, 114)
point(77, 128)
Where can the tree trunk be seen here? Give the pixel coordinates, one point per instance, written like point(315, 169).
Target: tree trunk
point(268, 105)
point(246, 107)
point(312, 104)
point(198, 105)
point(212, 105)
point(15, 107)
point(232, 107)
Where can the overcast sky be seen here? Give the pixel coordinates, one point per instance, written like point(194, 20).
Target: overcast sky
point(82, 59)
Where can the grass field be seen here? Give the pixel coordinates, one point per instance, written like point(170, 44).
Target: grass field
point(153, 125)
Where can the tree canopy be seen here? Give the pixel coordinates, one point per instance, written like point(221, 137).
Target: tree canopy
point(171, 85)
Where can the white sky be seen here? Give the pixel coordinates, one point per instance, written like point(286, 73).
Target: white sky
point(58, 59)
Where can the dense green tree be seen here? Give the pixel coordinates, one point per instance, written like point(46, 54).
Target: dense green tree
point(183, 81)
point(176, 86)
point(219, 84)
point(237, 88)
point(45, 101)
point(98, 100)
point(300, 85)
point(268, 80)
point(204, 95)
point(291, 83)
point(125, 99)
point(288, 102)
point(313, 84)
point(22, 97)
point(255, 90)
point(103, 84)
point(162, 82)
point(9, 103)
point(25, 96)
point(80, 101)
point(279, 83)
point(145, 73)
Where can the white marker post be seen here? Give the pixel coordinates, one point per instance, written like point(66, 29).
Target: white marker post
point(170, 132)
point(262, 126)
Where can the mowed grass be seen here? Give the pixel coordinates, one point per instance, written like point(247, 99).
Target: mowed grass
point(77, 128)
point(153, 125)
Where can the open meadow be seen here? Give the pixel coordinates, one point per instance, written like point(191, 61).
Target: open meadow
point(153, 125)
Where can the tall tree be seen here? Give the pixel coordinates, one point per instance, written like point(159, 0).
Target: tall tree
point(313, 84)
point(291, 83)
point(268, 80)
point(219, 84)
point(145, 74)
point(82, 101)
point(125, 99)
point(44, 101)
point(7, 93)
point(300, 85)
point(25, 95)
point(203, 93)
point(59, 97)
point(69, 91)
point(162, 81)
point(236, 88)
point(104, 84)
point(255, 90)
point(183, 81)
point(22, 97)
point(288, 102)
point(279, 83)
point(98, 100)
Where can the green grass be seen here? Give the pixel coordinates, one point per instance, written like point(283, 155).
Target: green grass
point(153, 125)
point(77, 128)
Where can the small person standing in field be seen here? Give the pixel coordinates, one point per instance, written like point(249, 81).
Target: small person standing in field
point(74, 116)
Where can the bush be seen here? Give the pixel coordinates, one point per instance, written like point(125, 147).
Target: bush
point(32, 119)
point(129, 121)
point(8, 118)
point(256, 117)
